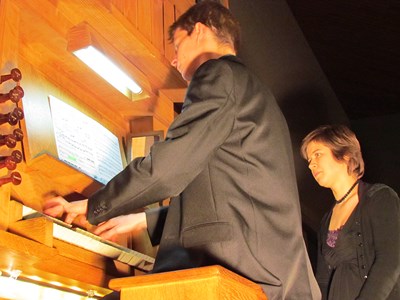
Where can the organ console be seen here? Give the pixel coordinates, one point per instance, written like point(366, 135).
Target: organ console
point(75, 246)
point(34, 39)
point(14, 95)
point(84, 239)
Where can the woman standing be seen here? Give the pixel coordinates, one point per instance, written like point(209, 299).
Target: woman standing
point(359, 238)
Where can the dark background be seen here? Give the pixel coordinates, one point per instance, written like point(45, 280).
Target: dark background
point(331, 61)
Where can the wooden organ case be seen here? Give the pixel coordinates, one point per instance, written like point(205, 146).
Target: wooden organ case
point(35, 37)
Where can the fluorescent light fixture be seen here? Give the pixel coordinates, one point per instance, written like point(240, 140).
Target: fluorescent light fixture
point(102, 57)
point(103, 66)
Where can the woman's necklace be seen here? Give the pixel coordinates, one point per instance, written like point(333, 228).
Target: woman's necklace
point(347, 194)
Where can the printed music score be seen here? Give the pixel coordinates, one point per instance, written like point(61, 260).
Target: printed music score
point(84, 143)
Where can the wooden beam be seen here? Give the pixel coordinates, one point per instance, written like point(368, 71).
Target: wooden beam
point(33, 258)
point(212, 283)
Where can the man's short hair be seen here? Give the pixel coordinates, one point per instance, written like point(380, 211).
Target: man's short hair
point(215, 16)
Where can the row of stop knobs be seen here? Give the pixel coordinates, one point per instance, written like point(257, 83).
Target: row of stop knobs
point(13, 117)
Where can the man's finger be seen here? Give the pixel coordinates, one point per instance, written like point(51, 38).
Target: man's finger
point(54, 211)
point(70, 217)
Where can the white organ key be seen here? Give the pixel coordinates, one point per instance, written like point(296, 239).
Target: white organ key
point(92, 242)
point(84, 241)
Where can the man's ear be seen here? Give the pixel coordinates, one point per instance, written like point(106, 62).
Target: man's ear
point(200, 30)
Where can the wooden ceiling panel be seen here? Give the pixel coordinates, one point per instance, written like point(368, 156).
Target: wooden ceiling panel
point(45, 46)
point(45, 49)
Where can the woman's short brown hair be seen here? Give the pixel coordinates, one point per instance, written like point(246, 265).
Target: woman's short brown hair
point(342, 142)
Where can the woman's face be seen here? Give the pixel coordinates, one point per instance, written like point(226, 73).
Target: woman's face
point(325, 168)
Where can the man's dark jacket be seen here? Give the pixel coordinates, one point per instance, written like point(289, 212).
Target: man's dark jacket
point(227, 164)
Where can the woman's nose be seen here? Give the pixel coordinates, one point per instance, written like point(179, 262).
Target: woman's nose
point(311, 164)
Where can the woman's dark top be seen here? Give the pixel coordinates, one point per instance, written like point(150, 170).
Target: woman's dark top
point(365, 260)
point(342, 258)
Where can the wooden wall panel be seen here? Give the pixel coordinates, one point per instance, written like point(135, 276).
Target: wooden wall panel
point(9, 22)
point(152, 19)
point(169, 18)
point(157, 25)
point(34, 38)
point(129, 8)
point(9, 19)
point(49, 69)
point(145, 18)
point(181, 6)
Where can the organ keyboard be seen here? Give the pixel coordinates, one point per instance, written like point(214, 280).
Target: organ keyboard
point(92, 242)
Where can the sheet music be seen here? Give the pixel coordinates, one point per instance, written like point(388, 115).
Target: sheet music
point(84, 143)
